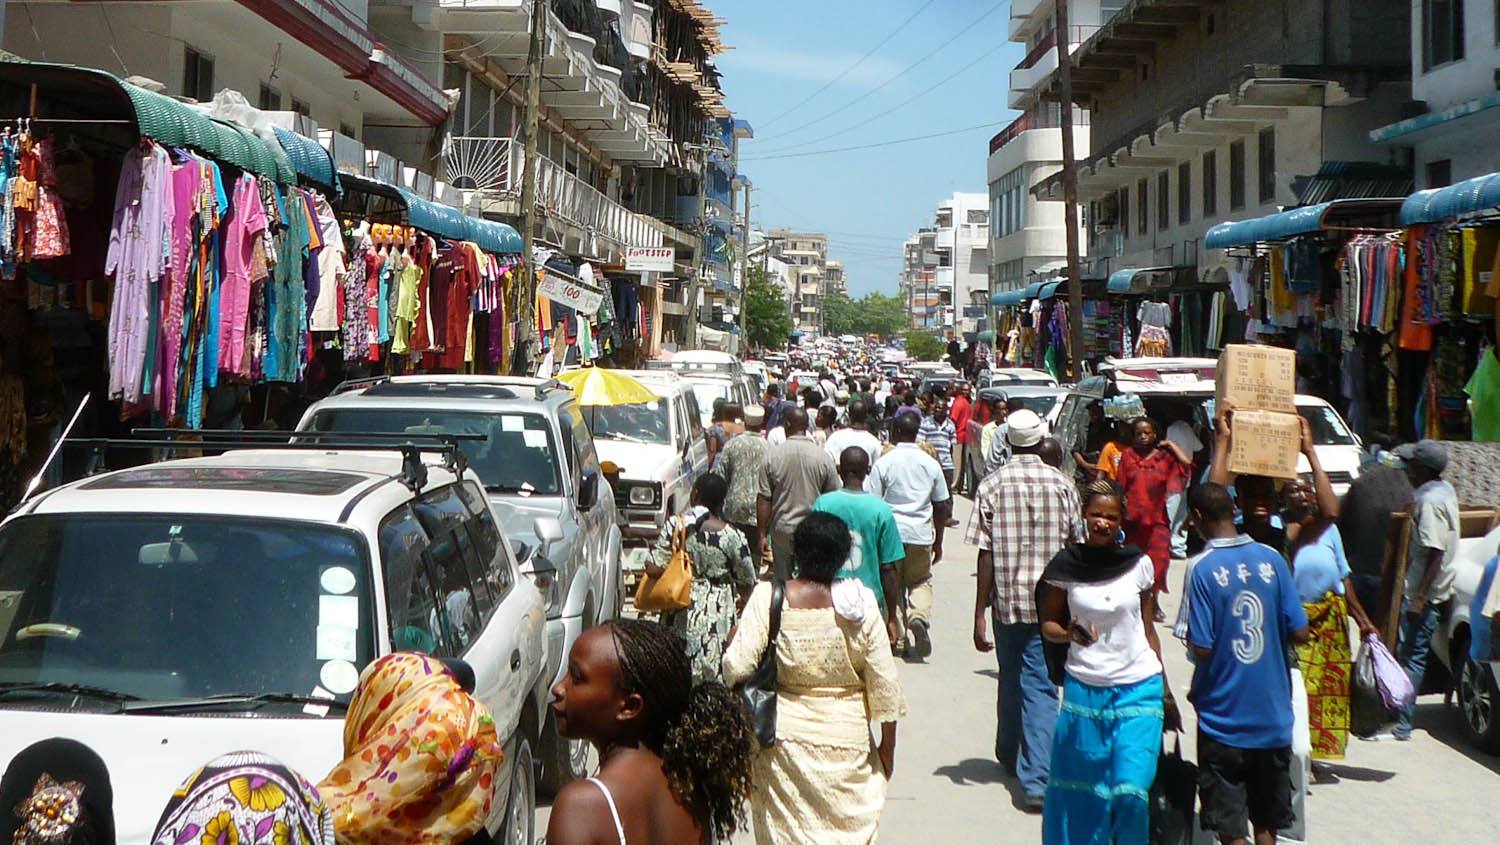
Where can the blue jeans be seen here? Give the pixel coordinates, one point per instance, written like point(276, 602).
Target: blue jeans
point(1414, 649)
point(1026, 707)
point(1177, 518)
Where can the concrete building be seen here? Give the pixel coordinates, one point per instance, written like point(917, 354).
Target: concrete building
point(1451, 122)
point(949, 271)
point(1206, 112)
point(806, 256)
point(834, 282)
point(1027, 238)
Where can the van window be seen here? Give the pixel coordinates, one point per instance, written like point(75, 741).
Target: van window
point(418, 621)
point(578, 440)
point(457, 571)
point(694, 414)
point(489, 545)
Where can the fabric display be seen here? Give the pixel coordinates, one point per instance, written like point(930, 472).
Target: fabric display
point(1154, 341)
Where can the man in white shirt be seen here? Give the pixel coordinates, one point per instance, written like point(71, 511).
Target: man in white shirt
point(1181, 433)
point(913, 484)
point(857, 434)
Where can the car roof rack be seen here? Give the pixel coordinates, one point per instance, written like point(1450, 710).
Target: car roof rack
point(410, 445)
point(415, 386)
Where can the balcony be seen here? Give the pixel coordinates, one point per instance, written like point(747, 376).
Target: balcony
point(494, 168)
point(1024, 17)
point(1030, 74)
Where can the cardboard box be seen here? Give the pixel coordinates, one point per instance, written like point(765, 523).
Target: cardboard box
point(1258, 378)
point(1265, 443)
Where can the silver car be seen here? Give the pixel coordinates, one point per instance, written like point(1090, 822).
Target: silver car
point(540, 469)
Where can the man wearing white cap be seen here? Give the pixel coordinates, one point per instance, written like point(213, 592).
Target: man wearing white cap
point(740, 463)
point(1024, 513)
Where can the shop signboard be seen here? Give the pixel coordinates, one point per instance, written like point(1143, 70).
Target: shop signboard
point(649, 259)
point(570, 293)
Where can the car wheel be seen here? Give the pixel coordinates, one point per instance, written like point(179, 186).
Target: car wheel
point(520, 807)
point(563, 760)
point(1479, 702)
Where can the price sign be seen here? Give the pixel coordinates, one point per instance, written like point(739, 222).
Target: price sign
point(568, 293)
point(649, 259)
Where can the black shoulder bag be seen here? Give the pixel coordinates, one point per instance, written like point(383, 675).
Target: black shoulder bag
point(759, 690)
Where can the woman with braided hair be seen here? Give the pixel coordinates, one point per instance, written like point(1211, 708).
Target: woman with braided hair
point(674, 758)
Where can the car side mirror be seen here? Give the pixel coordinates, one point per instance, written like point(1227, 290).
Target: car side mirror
point(548, 530)
point(588, 490)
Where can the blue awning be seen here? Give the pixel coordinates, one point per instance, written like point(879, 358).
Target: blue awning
point(1048, 290)
point(309, 159)
point(1007, 297)
point(441, 220)
point(493, 236)
point(1032, 290)
point(1293, 222)
point(1481, 193)
point(1125, 281)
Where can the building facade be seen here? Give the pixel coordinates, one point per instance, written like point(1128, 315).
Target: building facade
point(945, 275)
point(806, 257)
point(1451, 122)
point(1206, 112)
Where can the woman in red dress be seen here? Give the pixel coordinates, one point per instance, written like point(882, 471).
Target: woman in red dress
point(1151, 470)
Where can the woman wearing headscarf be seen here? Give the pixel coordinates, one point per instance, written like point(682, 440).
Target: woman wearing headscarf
point(245, 797)
point(420, 757)
point(1097, 598)
point(56, 792)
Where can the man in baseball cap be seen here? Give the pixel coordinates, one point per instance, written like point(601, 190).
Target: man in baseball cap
point(1429, 568)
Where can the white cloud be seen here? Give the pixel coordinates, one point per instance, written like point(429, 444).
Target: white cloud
point(807, 65)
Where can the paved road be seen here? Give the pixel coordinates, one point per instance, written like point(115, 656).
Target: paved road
point(948, 784)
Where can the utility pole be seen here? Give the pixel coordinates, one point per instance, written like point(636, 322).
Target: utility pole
point(701, 254)
point(745, 269)
point(1070, 189)
point(526, 293)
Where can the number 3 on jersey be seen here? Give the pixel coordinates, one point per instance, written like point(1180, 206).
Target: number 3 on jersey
point(1251, 644)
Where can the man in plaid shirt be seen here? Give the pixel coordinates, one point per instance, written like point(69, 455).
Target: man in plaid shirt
point(1024, 513)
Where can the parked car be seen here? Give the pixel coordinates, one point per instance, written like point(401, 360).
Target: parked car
point(1009, 376)
point(757, 375)
point(657, 450)
point(171, 613)
point(537, 461)
point(704, 361)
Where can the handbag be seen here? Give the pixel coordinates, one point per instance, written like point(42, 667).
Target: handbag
point(759, 690)
point(1172, 798)
point(673, 589)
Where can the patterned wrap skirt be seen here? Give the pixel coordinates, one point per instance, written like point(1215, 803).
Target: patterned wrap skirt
point(1327, 670)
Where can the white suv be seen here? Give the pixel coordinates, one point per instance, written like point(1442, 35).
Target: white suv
point(170, 613)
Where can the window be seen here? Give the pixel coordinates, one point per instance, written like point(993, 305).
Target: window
point(1439, 173)
point(197, 75)
point(1184, 193)
point(1266, 165)
point(1163, 201)
point(418, 621)
point(1210, 184)
point(348, 131)
point(301, 108)
point(489, 544)
point(456, 569)
point(695, 415)
point(1237, 175)
point(1142, 207)
point(270, 98)
point(1442, 32)
point(1124, 206)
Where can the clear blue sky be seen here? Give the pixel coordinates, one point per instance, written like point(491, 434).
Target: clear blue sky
point(868, 200)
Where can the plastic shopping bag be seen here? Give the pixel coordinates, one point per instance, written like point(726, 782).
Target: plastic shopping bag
point(1367, 710)
point(1395, 687)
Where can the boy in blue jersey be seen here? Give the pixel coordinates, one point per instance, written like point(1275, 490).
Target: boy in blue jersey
point(1243, 617)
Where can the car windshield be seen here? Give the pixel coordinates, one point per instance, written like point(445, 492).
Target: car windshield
point(1327, 428)
point(516, 454)
point(707, 392)
point(212, 605)
point(645, 422)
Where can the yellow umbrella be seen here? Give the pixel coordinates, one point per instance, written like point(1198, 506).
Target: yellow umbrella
point(601, 386)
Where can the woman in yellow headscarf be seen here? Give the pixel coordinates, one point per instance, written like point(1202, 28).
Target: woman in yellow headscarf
point(420, 757)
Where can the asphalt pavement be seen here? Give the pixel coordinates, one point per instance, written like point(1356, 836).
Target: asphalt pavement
point(948, 787)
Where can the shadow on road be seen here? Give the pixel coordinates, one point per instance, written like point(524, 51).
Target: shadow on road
point(974, 771)
point(992, 674)
point(1445, 724)
point(1357, 773)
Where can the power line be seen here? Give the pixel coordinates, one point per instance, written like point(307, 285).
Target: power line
point(866, 95)
point(889, 143)
point(904, 103)
point(857, 62)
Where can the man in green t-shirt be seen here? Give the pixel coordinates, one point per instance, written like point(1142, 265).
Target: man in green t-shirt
point(877, 544)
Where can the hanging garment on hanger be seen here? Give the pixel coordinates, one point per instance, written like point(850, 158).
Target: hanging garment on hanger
point(136, 258)
point(332, 267)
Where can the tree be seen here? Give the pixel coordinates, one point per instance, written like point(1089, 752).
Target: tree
point(841, 315)
point(924, 346)
point(873, 313)
point(767, 321)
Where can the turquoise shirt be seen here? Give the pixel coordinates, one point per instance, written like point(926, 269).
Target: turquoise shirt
point(876, 538)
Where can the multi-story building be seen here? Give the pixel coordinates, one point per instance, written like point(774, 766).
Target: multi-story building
point(806, 256)
point(1205, 112)
point(1027, 238)
point(1455, 110)
point(950, 281)
point(834, 283)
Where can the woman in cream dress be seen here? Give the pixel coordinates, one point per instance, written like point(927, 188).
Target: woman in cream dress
point(825, 778)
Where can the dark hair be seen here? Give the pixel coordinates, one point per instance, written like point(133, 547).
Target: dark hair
point(774, 389)
point(827, 416)
point(1212, 500)
point(820, 545)
point(854, 460)
point(733, 411)
point(710, 491)
point(859, 413)
point(904, 428)
point(1103, 488)
point(702, 733)
point(1155, 426)
point(718, 409)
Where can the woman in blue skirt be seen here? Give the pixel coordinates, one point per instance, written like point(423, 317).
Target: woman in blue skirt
point(1097, 597)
